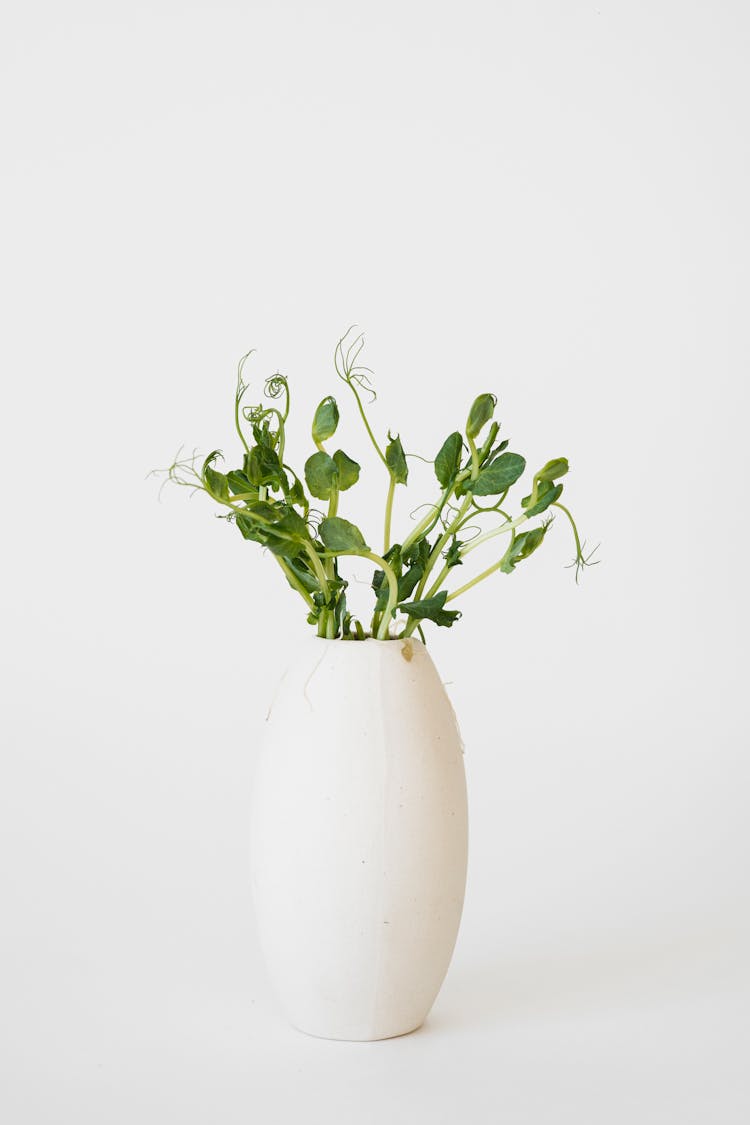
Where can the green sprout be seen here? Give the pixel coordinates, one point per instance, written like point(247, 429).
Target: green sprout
point(413, 581)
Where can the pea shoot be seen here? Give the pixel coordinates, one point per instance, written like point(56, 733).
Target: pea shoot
point(415, 579)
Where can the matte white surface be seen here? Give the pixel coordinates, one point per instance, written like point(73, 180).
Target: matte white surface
point(358, 829)
point(544, 199)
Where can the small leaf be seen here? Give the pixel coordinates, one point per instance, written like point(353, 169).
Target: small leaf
point(340, 535)
point(321, 475)
point(297, 495)
point(378, 579)
point(481, 411)
point(216, 483)
point(348, 470)
point(448, 459)
point(522, 546)
point(249, 529)
point(497, 477)
point(291, 524)
point(431, 609)
point(262, 467)
point(395, 459)
point(409, 580)
point(497, 451)
point(326, 420)
point(546, 493)
point(300, 570)
point(553, 470)
point(277, 527)
point(239, 483)
point(453, 555)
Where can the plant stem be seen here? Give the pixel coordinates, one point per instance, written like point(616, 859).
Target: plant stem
point(562, 508)
point(474, 458)
point(437, 583)
point(320, 573)
point(293, 580)
point(479, 578)
point(505, 527)
point(237, 426)
point(382, 631)
point(456, 522)
point(363, 415)
point(388, 515)
point(392, 594)
point(333, 506)
point(425, 525)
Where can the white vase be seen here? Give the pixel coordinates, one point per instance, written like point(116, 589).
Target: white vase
point(359, 838)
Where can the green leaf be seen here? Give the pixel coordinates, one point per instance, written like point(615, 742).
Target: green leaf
point(348, 470)
point(340, 535)
point(448, 459)
point(414, 561)
point(395, 459)
point(292, 524)
point(497, 451)
point(263, 434)
point(216, 483)
point(453, 555)
point(546, 493)
point(297, 496)
point(239, 483)
point(553, 470)
point(326, 420)
point(321, 474)
point(497, 477)
point(303, 574)
point(522, 546)
point(431, 609)
point(339, 612)
point(277, 527)
point(262, 512)
point(262, 467)
point(481, 411)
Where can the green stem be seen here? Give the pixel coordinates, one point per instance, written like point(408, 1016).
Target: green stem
point(320, 573)
point(333, 507)
point(446, 569)
point(426, 524)
point(382, 630)
point(439, 547)
point(241, 388)
point(562, 508)
point(438, 582)
point(388, 515)
point(479, 578)
point(474, 458)
point(502, 530)
point(293, 580)
point(392, 594)
point(363, 416)
point(237, 426)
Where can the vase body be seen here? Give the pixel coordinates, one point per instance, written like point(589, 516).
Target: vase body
point(359, 838)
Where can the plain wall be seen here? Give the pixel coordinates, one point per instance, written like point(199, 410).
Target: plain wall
point(545, 200)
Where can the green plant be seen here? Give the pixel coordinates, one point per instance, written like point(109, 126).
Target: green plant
point(270, 504)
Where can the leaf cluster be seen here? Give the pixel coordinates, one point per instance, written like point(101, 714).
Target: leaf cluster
point(272, 505)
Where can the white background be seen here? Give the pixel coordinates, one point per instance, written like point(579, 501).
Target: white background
point(547, 200)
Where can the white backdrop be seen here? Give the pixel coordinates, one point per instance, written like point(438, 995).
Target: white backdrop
point(547, 200)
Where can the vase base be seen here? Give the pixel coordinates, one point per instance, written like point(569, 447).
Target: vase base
point(372, 1037)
